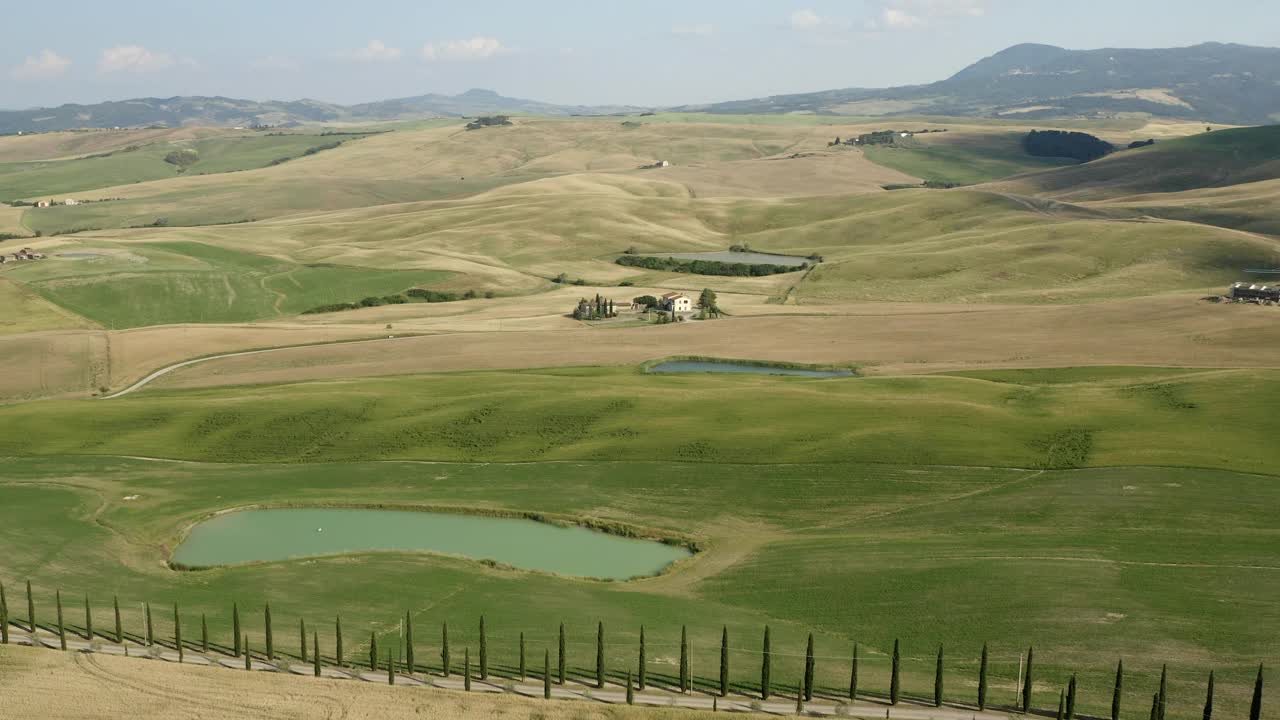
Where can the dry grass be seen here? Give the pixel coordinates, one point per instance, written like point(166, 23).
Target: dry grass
point(43, 683)
point(11, 222)
point(22, 311)
point(66, 145)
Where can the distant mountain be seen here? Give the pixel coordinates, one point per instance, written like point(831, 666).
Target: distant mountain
point(222, 111)
point(1213, 82)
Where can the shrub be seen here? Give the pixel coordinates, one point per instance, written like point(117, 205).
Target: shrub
point(183, 158)
point(1060, 143)
point(706, 267)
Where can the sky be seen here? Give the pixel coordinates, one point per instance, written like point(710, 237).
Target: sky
point(650, 52)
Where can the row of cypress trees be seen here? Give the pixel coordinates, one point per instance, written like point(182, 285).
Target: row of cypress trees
point(1066, 701)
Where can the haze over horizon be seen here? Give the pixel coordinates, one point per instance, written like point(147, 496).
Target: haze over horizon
point(665, 53)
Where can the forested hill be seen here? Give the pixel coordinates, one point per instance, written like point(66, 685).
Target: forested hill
point(1214, 82)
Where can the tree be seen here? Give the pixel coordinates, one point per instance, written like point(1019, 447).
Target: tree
point(466, 669)
point(177, 632)
point(248, 663)
point(88, 620)
point(937, 681)
point(560, 656)
point(266, 615)
point(62, 630)
point(808, 670)
point(444, 648)
point(484, 652)
point(31, 609)
point(315, 653)
point(724, 662)
point(1026, 683)
point(373, 652)
point(235, 626)
point(765, 669)
point(1071, 698)
point(1155, 706)
point(1116, 693)
point(302, 638)
point(1208, 699)
point(684, 659)
point(895, 680)
point(1061, 705)
point(853, 676)
point(648, 301)
point(707, 301)
point(4, 617)
point(523, 674)
point(1164, 691)
point(337, 640)
point(600, 655)
point(800, 695)
point(642, 670)
point(391, 669)
point(151, 637)
point(408, 643)
point(1255, 709)
point(115, 604)
point(204, 634)
point(982, 681)
point(546, 674)
point(631, 696)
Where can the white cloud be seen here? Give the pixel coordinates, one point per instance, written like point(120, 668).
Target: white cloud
point(48, 64)
point(702, 30)
point(375, 51)
point(914, 14)
point(133, 58)
point(806, 20)
point(477, 48)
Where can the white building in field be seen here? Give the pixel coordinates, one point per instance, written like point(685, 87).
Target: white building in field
point(678, 302)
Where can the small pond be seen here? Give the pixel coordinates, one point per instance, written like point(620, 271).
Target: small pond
point(746, 258)
point(266, 535)
point(703, 366)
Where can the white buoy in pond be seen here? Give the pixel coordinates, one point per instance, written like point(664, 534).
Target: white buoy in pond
point(319, 529)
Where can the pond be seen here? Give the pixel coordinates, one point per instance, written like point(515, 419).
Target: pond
point(704, 366)
point(746, 258)
point(266, 535)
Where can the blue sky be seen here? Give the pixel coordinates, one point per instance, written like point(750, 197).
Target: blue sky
point(653, 52)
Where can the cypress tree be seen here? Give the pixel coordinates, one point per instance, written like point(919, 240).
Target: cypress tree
point(266, 614)
point(895, 685)
point(373, 652)
point(391, 669)
point(853, 676)
point(546, 674)
point(643, 670)
point(31, 609)
point(408, 643)
point(600, 655)
point(484, 653)
point(724, 662)
point(88, 620)
point(1164, 690)
point(302, 638)
point(1026, 684)
point(799, 693)
point(62, 630)
point(560, 657)
point(235, 628)
point(684, 659)
point(337, 641)
point(315, 652)
point(151, 636)
point(115, 604)
point(937, 681)
point(766, 662)
point(4, 617)
point(1255, 709)
point(808, 670)
point(466, 669)
point(248, 664)
point(1061, 706)
point(1208, 699)
point(444, 649)
point(204, 634)
point(1071, 698)
point(631, 697)
point(982, 681)
point(1155, 706)
point(177, 632)
point(523, 674)
point(1116, 693)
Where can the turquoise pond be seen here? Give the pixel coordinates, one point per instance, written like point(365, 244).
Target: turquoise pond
point(267, 535)
point(702, 366)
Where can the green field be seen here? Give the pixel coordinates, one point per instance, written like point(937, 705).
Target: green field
point(967, 160)
point(159, 283)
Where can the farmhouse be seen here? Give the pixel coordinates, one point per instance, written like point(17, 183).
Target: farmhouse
point(677, 302)
point(42, 204)
point(1246, 292)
